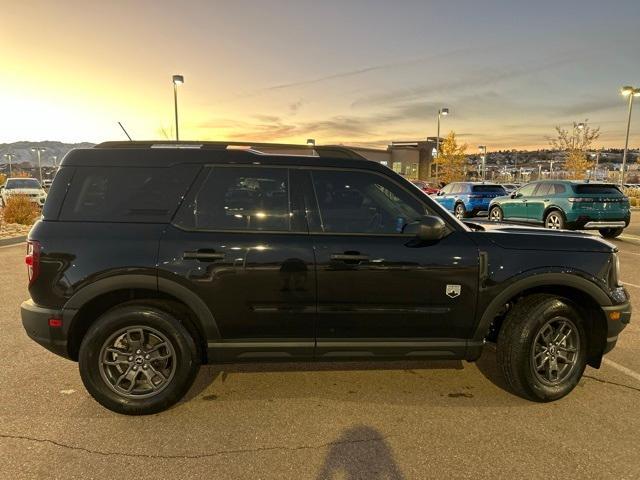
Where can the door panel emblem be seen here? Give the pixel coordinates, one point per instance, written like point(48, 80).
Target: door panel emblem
point(453, 291)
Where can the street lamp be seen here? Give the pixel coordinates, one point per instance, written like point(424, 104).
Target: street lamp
point(483, 151)
point(177, 80)
point(10, 157)
point(39, 150)
point(443, 112)
point(627, 91)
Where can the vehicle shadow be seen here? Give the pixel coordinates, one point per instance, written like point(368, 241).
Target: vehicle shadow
point(415, 382)
point(360, 452)
point(210, 373)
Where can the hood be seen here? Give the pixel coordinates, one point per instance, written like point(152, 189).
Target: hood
point(534, 238)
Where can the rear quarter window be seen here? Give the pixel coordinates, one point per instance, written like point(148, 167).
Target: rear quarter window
point(126, 194)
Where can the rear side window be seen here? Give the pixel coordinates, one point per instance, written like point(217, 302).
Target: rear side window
point(488, 189)
point(597, 190)
point(239, 198)
point(558, 188)
point(545, 189)
point(126, 194)
point(57, 193)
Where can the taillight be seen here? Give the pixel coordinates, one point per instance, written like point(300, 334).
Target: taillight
point(32, 259)
point(581, 200)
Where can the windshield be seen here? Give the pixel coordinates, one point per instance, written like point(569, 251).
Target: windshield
point(489, 189)
point(22, 183)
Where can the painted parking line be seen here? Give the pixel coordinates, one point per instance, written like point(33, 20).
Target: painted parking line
point(12, 245)
point(630, 284)
point(621, 368)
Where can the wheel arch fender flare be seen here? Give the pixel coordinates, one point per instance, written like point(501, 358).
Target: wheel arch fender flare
point(147, 282)
point(572, 279)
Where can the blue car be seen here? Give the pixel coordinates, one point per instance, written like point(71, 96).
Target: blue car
point(468, 199)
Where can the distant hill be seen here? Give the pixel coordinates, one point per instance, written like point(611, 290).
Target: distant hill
point(24, 155)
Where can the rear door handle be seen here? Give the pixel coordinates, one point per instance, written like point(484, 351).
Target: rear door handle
point(346, 257)
point(204, 255)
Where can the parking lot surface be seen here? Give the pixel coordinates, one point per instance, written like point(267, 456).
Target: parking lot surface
point(316, 420)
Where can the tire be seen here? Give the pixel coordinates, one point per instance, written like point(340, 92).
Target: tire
point(610, 232)
point(496, 215)
point(520, 344)
point(555, 220)
point(459, 211)
point(137, 359)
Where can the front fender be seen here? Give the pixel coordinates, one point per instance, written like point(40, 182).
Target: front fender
point(543, 278)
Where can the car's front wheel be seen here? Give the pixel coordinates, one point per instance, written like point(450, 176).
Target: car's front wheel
point(137, 359)
point(610, 232)
point(495, 214)
point(542, 348)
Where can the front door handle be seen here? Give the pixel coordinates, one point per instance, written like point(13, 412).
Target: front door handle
point(203, 254)
point(349, 258)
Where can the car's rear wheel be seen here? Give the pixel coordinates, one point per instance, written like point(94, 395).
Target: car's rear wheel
point(554, 220)
point(542, 348)
point(610, 232)
point(137, 359)
point(459, 211)
point(495, 214)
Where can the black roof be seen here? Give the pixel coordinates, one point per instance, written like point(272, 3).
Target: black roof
point(167, 153)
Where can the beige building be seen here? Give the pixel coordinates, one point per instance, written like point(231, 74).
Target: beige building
point(413, 159)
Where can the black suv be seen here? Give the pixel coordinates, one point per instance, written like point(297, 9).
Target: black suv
point(151, 259)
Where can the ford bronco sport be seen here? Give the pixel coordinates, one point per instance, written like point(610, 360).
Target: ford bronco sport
point(153, 258)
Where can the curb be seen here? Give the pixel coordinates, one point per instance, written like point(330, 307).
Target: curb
point(10, 242)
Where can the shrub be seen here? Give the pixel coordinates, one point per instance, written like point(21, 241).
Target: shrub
point(19, 209)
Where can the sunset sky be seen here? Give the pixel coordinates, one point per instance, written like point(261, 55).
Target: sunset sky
point(353, 72)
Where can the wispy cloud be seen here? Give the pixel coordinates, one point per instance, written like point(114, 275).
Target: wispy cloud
point(373, 68)
point(455, 86)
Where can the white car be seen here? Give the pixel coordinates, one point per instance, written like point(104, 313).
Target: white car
point(23, 186)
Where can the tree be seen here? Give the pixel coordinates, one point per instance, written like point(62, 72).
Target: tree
point(451, 159)
point(576, 143)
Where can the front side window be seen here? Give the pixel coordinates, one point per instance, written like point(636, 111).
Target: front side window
point(528, 189)
point(239, 198)
point(363, 202)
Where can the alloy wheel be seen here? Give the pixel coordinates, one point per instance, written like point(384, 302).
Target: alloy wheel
point(555, 350)
point(459, 211)
point(137, 362)
point(554, 221)
point(495, 215)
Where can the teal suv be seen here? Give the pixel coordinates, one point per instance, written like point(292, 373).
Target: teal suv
point(573, 205)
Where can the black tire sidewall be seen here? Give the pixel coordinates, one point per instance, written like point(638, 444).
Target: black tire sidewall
point(526, 334)
point(187, 361)
point(611, 232)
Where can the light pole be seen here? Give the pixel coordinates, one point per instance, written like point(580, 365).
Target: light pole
point(55, 161)
point(10, 157)
point(39, 150)
point(550, 168)
point(441, 112)
point(483, 151)
point(177, 80)
point(628, 91)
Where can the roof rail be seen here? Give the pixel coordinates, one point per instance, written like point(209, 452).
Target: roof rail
point(257, 148)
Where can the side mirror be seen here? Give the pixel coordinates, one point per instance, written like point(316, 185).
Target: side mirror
point(513, 194)
point(428, 229)
point(440, 193)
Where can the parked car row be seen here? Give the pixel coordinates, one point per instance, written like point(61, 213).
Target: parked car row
point(554, 204)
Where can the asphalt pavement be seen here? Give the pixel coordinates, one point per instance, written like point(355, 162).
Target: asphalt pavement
point(348, 421)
